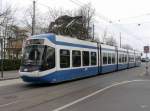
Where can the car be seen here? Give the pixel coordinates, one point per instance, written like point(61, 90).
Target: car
point(145, 60)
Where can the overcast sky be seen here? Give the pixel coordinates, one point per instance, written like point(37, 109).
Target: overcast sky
point(129, 12)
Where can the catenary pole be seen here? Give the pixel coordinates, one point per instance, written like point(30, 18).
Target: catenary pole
point(33, 19)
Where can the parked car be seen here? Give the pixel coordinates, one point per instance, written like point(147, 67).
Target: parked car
point(145, 60)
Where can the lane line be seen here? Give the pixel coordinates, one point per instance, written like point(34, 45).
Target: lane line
point(94, 93)
point(4, 105)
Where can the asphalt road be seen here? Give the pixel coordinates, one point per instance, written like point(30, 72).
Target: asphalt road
point(127, 90)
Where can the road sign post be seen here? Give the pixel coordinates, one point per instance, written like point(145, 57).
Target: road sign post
point(146, 51)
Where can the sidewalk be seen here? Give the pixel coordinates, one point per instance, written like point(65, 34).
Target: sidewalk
point(9, 75)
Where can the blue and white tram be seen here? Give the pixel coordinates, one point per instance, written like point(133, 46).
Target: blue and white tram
point(108, 58)
point(49, 58)
point(122, 58)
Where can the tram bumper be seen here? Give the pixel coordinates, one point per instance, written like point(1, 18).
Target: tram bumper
point(30, 76)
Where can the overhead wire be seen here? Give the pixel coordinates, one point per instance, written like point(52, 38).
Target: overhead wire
point(106, 19)
point(133, 17)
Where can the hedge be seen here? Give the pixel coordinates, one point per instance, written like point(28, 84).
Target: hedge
point(10, 64)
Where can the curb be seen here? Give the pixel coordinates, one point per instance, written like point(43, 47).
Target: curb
point(4, 79)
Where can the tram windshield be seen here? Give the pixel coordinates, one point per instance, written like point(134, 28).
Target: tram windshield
point(33, 55)
point(38, 57)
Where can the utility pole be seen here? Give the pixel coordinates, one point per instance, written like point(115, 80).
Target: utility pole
point(0, 5)
point(1, 42)
point(120, 39)
point(88, 24)
point(33, 19)
point(93, 31)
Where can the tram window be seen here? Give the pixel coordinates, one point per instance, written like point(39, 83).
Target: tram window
point(113, 58)
point(131, 58)
point(109, 58)
point(64, 58)
point(105, 58)
point(93, 58)
point(128, 58)
point(123, 58)
point(120, 57)
point(85, 58)
point(50, 58)
point(76, 58)
point(139, 58)
point(136, 57)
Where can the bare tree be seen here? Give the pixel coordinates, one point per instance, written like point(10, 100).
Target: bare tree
point(127, 46)
point(111, 41)
point(96, 39)
point(87, 13)
point(43, 20)
point(54, 14)
point(7, 18)
point(27, 19)
point(104, 35)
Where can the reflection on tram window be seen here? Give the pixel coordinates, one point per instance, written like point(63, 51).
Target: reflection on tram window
point(113, 58)
point(93, 58)
point(50, 57)
point(76, 58)
point(109, 58)
point(33, 55)
point(64, 58)
point(105, 58)
point(85, 58)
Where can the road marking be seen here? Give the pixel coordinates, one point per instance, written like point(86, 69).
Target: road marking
point(144, 106)
point(10, 82)
point(94, 93)
point(4, 105)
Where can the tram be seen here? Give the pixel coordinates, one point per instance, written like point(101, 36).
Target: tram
point(50, 58)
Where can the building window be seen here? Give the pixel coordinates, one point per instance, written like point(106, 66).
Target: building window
point(93, 58)
point(109, 58)
point(64, 58)
point(104, 58)
point(113, 58)
point(85, 58)
point(76, 58)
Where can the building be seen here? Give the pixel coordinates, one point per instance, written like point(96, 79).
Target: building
point(14, 44)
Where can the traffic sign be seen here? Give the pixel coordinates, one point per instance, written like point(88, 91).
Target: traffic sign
point(146, 49)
